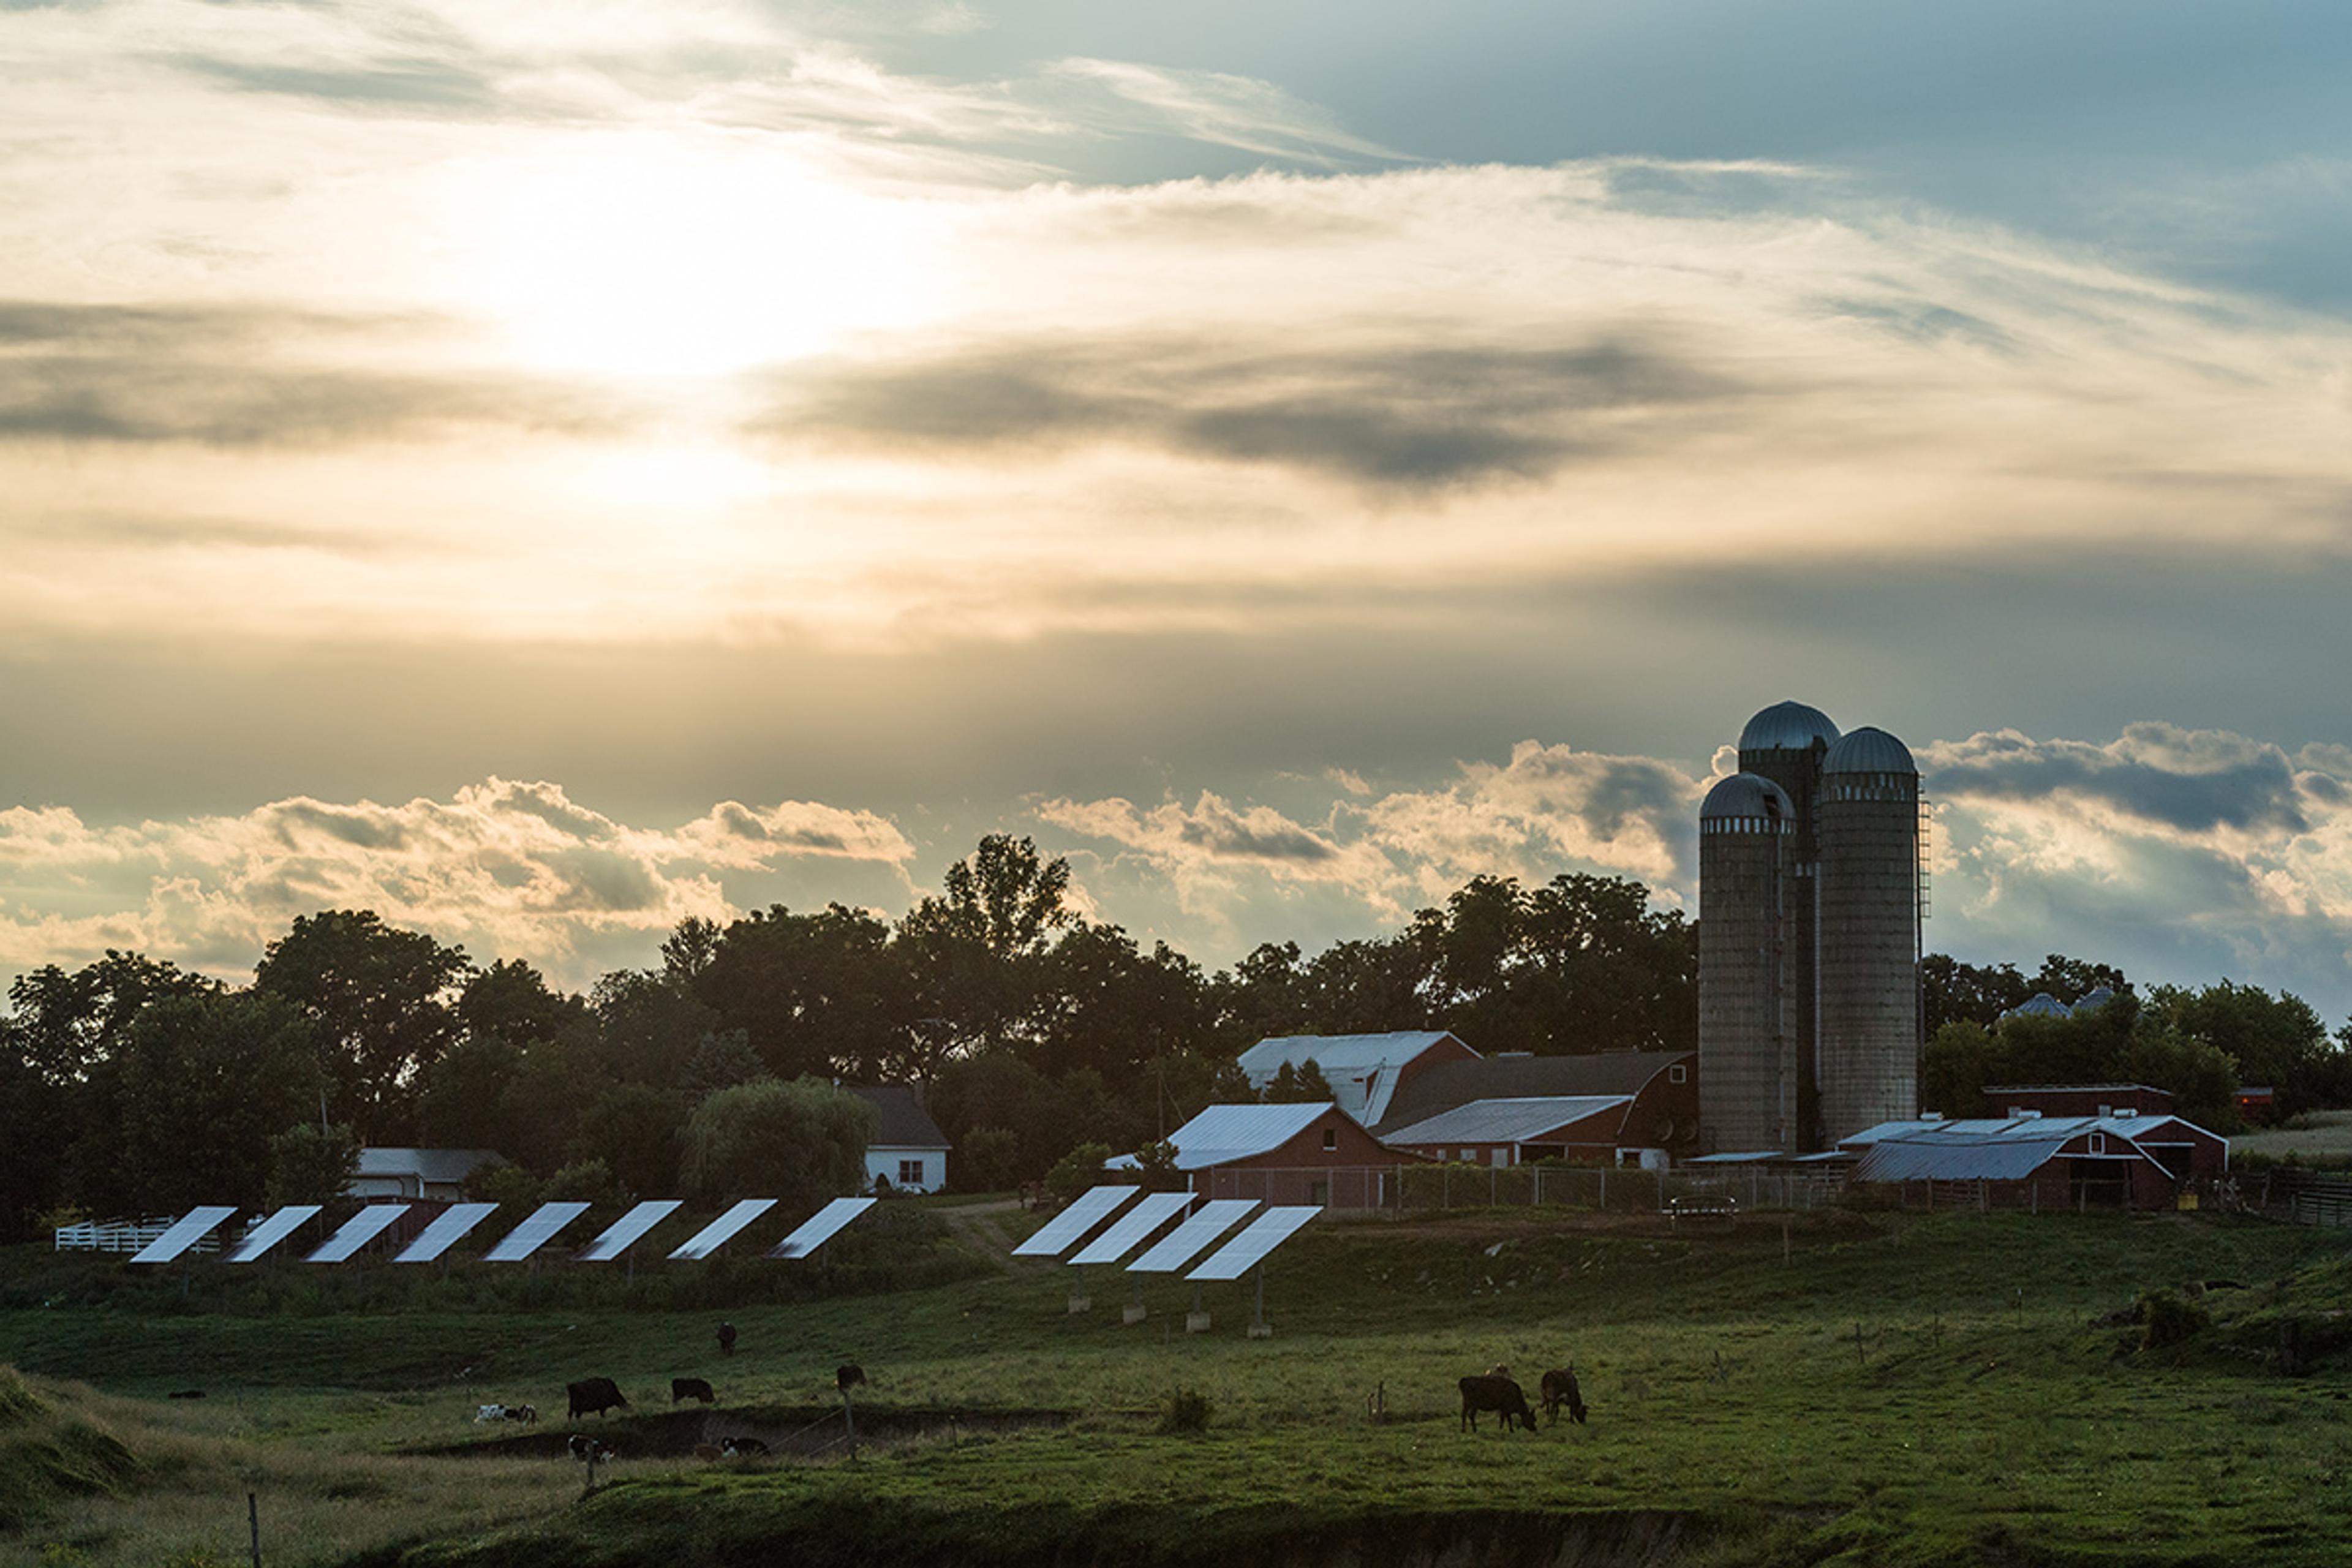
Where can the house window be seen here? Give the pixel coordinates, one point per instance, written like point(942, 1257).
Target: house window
point(1331, 1139)
point(1678, 1073)
point(910, 1172)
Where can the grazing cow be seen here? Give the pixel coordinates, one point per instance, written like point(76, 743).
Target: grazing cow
point(591, 1450)
point(597, 1394)
point(522, 1413)
point(847, 1376)
point(741, 1447)
point(708, 1451)
point(1492, 1393)
point(689, 1388)
point(726, 1339)
point(1560, 1388)
point(489, 1413)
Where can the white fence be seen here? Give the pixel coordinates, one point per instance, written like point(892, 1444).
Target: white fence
point(121, 1236)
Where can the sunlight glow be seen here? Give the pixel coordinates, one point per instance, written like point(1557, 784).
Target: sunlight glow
point(652, 256)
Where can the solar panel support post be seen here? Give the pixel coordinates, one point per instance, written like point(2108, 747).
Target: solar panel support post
point(1196, 1322)
point(1134, 1311)
point(1259, 1328)
point(1079, 1301)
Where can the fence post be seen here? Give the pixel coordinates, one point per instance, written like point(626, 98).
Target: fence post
point(253, 1520)
point(1604, 1187)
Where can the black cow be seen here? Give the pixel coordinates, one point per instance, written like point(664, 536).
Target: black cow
point(741, 1447)
point(1560, 1388)
point(521, 1413)
point(689, 1388)
point(1492, 1393)
point(726, 1339)
point(847, 1375)
point(597, 1393)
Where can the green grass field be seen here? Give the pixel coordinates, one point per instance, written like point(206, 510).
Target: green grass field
point(1894, 1389)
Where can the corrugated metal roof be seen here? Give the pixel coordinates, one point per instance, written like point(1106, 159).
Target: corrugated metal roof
point(1223, 1133)
point(1511, 1120)
point(1361, 1068)
point(2024, 1127)
point(435, 1165)
point(1442, 1086)
point(1927, 1158)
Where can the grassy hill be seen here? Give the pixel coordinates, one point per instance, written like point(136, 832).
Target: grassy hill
point(1860, 1388)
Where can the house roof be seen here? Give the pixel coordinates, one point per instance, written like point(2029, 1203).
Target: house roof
point(1442, 1086)
point(899, 1119)
point(1361, 1068)
point(437, 1166)
point(1224, 1133)
point(1522, 1120)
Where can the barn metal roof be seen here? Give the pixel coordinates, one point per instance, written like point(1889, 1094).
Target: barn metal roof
point(1361, 1068)
point(1511, 1120)
point(1998, 1149)
point(2028, 1128)
point(1224, 1133)
point(437, 1166)
point(1442, 1086)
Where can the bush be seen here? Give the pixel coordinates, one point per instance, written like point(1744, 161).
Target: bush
point(1187, 1410)
point(2170, 1319)
point(1076, 1171)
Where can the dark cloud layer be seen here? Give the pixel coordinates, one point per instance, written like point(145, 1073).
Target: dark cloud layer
point(2192, 781)
point(237, 377)
point(1402, 417)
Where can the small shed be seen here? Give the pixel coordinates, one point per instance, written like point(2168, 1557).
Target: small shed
point(1313, 1154)
point(908, 1150)
point(425, 1175)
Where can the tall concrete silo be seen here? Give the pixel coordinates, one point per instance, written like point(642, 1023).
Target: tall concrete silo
point(1867, 822)
point(1747, 1046)
point(1786, 743)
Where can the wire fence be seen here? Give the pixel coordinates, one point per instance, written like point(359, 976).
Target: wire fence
point(1422, 1188)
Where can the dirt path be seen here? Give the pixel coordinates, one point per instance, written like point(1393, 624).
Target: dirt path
point(980, 1225)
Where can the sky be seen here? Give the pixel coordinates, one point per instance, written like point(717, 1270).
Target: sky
point(544, 472)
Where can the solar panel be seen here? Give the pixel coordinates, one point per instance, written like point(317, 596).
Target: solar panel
point(358, 1231)
point(272, 1231)
point(193, 1228)
point(1056, 1235)
point(625, 1231)
point(716, 1235)
point(534, 1233)
point(1132, 1226)
point(1179, 1245)
point(1247, 1250)
point(443, 1233)
point(820, 1227)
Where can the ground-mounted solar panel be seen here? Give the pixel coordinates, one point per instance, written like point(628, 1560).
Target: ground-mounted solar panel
point(445, 1231)
point(535, 1232)
point(1127, 1233)
point(191, 1230)
point(272, 1231)
point(357, 1231)
point(624, 1232)
point(1058, 1235)
point(1247, 1250)
point(820, 1227)
point(1183, 1243)
point(720, 1231)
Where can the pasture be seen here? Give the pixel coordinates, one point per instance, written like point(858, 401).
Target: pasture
point(1864, 1389)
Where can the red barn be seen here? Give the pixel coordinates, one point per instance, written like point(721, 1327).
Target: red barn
point(1281, 1154)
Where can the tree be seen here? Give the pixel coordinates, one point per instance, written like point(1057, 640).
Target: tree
point(190, 1104)
point(973, 952)
point(2275, 1041)
point(1076, 1171)
point(801, 1142)
point(632, 1129)
point(513, 1002)
point(311, 1164)
point(823, 993)
point(987, 1159)
point(379, 999)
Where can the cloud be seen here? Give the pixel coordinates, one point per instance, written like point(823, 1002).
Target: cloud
point(506, 868)
point(1405, 414)
point(2194, 782)
point(1226, 110)
point(245, 376)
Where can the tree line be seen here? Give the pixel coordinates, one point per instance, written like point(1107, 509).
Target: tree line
point(133, 1086)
